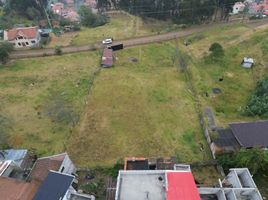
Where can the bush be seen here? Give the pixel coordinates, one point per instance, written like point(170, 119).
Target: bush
point(258, 102)
point(58, 50)
point(216, 50)
point(5, 49)
point(256, 160)
point(216, 53)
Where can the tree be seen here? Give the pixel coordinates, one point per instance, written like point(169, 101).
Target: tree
point(89, 19)
point(258, 102)
point(216, 53)
point(5, 49)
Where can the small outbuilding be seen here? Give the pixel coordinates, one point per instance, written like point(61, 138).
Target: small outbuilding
point(247, 62)
point(107, 58)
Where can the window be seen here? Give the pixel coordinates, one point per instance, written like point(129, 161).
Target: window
point(62, 169)
point(33, 41)
point(20, 37)
point(27, 43)
point(19, 44)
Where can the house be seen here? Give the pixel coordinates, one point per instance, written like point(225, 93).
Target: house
point(23, 37)
point(258, 7)
point(70, 14)
point(156, 185)
point(57, 8)
point(251, 134)
point(59, 163)
point(50, 178)
point(13, 189)
point(178, 183)
point(238, 7)
point(58, 186)
point(20, 157)
point(241, 135)
point(91, 3)
point(247, 62)
point(107, 58)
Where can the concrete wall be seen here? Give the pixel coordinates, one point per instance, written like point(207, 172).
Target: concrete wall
point(67, 166)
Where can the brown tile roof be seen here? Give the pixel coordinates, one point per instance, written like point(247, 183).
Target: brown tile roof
point(28, 32)
point(42, 166)
point(12, 189)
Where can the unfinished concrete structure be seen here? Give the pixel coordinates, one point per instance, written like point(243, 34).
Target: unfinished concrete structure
point(179, 184)
point(237, 185)
point(157, 184)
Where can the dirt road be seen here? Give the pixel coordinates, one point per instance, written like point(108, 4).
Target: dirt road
point(131, 42)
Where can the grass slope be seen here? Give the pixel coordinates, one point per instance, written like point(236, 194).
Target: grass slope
point(139, 108)
point(41, 99)
point(238, 83)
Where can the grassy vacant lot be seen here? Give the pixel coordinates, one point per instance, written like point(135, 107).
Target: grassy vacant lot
point(121, 26)
point(41, 99)
point(141, 108)
point(238, 83)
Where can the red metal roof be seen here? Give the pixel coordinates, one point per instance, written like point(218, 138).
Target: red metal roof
point(107, 58)
point(181, 186)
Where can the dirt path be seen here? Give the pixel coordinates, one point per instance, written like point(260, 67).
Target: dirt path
point(132, 42)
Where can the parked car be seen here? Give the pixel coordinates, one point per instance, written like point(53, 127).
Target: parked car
point(107, 41)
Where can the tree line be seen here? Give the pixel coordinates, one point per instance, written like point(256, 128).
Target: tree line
point(180, 11)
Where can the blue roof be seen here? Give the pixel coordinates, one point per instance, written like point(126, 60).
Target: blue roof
point(17, 155)
point(54, 187)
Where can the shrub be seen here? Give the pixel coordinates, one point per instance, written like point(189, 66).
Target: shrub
point(216, 53)
point(258, 102)
point(256, 160)
point(58, 50)
point(216, 50)
point(5, 49)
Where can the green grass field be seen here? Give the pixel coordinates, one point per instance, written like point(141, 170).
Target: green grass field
point(139, 108)
point(42, 99)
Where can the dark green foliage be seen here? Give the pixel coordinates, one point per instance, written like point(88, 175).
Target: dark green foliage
point(256, 160)
point(216, 50)
point(119, 165)
point(65, 22)
point(216, 54)
point(58, 50)
point(89, 19)
point(258, 102)
point(32, 9)
point(5, 49)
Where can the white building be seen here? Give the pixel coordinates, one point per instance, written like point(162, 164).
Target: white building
point(23, 37)
point(238, 7)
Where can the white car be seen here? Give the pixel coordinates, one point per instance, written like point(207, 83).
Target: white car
point(107, 41)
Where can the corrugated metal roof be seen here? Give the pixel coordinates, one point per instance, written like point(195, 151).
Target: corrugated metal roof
point(54, 186)
point(181, 185)
point(3, 166)
point(226, 138)
point(16, 155)
point(251, 134)
point(107, 58)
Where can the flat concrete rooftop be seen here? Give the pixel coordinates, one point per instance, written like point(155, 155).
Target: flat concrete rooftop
point(148, 186)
